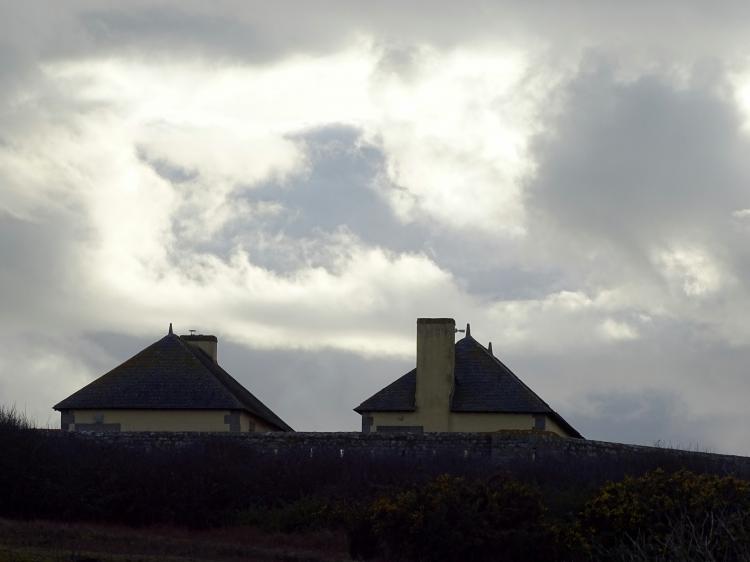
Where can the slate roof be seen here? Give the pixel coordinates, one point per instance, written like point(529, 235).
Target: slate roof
point(169, 375)
point(482, 383)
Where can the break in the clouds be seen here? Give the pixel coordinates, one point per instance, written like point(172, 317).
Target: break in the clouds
point(305, 180)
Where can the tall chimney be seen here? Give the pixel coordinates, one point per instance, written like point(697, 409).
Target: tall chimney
point(207, 344)
point(435, 368)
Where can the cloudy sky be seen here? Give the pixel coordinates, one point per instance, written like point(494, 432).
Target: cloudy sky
point(305, 179)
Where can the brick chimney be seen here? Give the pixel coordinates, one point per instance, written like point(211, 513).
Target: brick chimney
point(435, 369)
point(207, 344)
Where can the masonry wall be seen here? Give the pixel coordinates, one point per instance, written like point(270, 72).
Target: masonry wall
point(502, 449)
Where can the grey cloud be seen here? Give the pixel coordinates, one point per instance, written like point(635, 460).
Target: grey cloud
point(635, 417)
point(260, 32)
point(649, 389)
point(165, 169)
point(339, 191)
point(195, 31)
point(638, 162)
point(633, 168)
point(39, 271)
point(312, 390)
point(257, 30)
point(335, 196)
point(657, 418)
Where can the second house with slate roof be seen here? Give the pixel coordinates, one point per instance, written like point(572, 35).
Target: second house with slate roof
point(175, 384)
point(458, 386)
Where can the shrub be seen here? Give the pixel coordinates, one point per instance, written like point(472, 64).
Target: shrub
point(671, 516)
point(453, 518)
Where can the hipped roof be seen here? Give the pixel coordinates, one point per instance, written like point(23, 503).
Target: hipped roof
point(170, 375)
point(482, 383)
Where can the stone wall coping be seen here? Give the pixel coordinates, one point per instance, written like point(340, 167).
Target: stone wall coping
point(491, 440)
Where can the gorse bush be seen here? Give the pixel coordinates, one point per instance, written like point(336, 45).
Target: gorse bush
point(452, 518)
point(677, 516)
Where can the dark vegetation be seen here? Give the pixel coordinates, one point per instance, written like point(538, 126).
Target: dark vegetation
point(651, 506)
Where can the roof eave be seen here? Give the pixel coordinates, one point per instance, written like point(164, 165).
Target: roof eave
point(361, 410)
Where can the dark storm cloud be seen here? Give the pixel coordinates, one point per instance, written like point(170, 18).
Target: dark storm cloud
point(632, 170)
point(637, 162)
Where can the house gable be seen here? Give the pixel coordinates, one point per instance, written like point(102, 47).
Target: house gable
point(483, 387)
point(170, 375)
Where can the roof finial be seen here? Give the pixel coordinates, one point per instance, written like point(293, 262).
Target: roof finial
point(489, 348)
point(468, 329)
point(170, 327)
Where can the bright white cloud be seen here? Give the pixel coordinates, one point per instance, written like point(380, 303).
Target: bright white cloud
point(450, 132)
point(455, 128)
point(692, 270)
point(618, 331)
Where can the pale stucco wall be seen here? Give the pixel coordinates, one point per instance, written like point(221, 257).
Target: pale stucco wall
point(554, 427)
point(462, 422)
point(165, 420)
point(250, 424)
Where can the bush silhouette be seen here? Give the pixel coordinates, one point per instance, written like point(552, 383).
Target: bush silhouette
point(452, 518)
point(671, 516)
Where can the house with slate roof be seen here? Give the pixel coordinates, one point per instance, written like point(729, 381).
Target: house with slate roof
point(458, 386)
point(175, 384)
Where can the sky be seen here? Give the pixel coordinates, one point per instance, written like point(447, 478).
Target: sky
point(305, 179)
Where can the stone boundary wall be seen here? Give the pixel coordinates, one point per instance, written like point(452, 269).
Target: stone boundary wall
point(500, 449)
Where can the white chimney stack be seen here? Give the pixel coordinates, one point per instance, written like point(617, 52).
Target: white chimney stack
point(207, 344)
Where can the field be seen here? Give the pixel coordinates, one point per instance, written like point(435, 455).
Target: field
point(47, 541)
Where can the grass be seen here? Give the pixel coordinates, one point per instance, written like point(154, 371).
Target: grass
point(46, 541)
